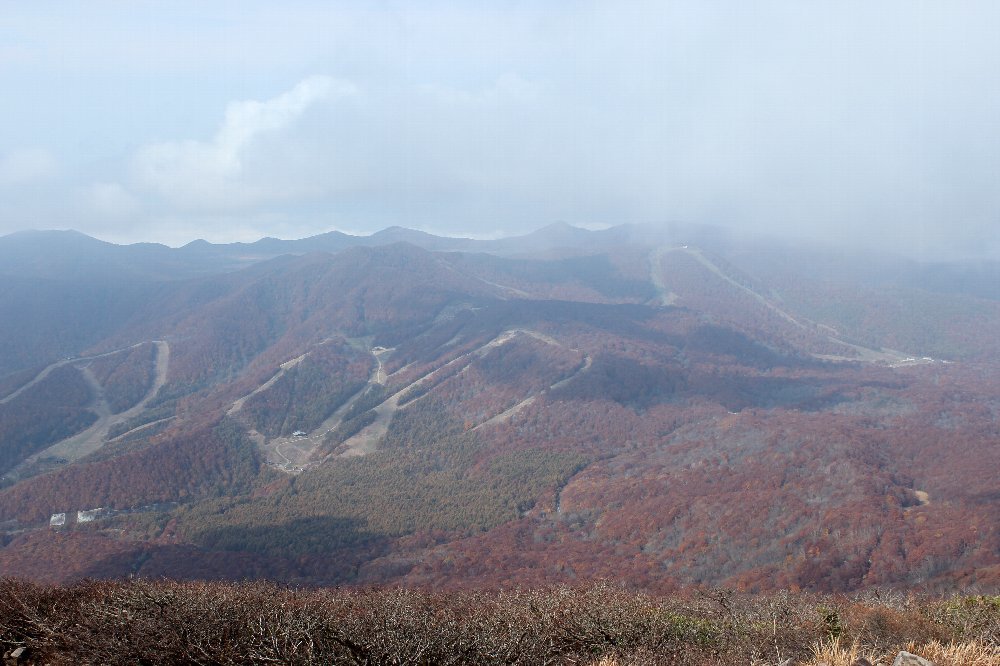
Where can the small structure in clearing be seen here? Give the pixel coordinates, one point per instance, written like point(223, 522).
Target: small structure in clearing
point(91, 515)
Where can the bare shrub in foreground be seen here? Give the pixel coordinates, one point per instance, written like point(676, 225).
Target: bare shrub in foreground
point(216, 623)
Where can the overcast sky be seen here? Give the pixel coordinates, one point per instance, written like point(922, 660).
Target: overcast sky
point(868, 122)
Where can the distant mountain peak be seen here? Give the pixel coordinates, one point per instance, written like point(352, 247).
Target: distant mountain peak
point(559, 228)
point(52, 234)
point(560, 224)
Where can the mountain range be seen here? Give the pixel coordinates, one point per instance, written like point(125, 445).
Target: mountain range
point(663, 407)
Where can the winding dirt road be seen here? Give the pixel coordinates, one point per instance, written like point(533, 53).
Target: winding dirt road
point(282, 369)
point(889, 357)
point(58, 364)
point(365, 441)
point(93, 438)
point(295, 454)
point(508, 413)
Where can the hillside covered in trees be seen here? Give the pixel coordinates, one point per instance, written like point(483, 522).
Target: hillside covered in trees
point(507, 414)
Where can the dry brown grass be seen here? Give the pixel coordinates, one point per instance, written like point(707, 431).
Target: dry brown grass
point(837, 652)
point(972, 653)
point(601, 625)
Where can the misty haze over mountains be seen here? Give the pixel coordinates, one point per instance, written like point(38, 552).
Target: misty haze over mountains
point(45, 253)
point(415, 409)
point(872, 125)
point(681, 296)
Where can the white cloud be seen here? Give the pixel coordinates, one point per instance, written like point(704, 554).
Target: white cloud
point(218, 174)
point(26, 166)
point(110, 201)
point(811, 118)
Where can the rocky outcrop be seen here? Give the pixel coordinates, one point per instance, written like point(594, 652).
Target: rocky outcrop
point(910, 659)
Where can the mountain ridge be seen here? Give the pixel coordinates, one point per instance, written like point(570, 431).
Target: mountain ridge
point(394, 414)
point(20, 250)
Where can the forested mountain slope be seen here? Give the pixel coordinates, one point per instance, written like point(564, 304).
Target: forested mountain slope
point(562, 406)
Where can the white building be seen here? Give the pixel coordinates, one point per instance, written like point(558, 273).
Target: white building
point(88, 516)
